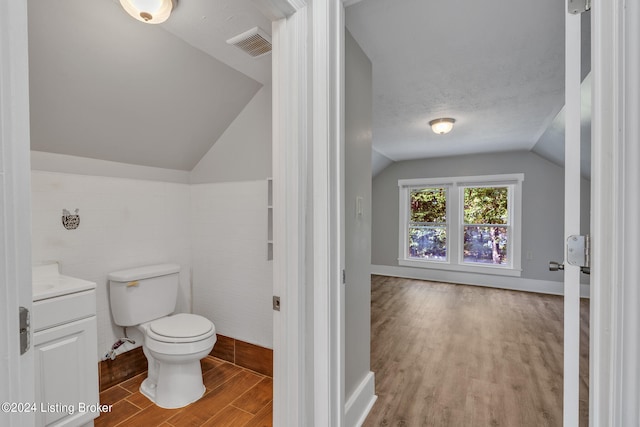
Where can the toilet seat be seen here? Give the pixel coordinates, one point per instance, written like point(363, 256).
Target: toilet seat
point(180, 328)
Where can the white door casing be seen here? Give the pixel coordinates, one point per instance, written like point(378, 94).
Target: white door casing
point(289, 200)
point(308, 151)
point(614, 374)
point(328, 210)
point(16, 371)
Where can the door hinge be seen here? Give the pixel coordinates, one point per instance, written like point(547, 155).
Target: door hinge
point(276, 303)
point(576, 7)
point(25, 329)
point(344, 277)
point(579, 252)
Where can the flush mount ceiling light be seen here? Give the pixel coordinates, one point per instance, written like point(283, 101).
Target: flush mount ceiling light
point(149, 11)
point(442, 126)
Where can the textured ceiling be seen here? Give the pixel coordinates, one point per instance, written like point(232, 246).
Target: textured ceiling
point(105, 86)
point(496, 66)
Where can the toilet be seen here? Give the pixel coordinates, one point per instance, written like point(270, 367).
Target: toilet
point(145, 297)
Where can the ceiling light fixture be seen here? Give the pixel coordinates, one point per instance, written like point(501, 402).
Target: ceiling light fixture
point(442, 126)
point(149, 11)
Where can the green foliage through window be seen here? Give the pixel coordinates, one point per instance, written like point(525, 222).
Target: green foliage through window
point(486, 205)
point(427, 226)
point(429, 205)
point(487, 241)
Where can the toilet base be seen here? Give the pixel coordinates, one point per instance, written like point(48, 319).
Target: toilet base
point(178, 385)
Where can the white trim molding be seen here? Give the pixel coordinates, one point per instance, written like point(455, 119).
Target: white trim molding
point(614, 376)
point(327, 152)
point(290, 141)
point(16, 371)
point(308, 145)
point(489, 281)
point(360, 402)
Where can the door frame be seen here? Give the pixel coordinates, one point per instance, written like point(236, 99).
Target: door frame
point(615, 203)
point(308, 228)
point(16, 371)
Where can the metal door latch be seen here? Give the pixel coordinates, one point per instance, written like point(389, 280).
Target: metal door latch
point(25, 327)
point(276, 303)
point(555, 266)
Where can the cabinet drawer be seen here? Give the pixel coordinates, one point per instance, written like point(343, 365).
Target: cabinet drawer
point(51, 312)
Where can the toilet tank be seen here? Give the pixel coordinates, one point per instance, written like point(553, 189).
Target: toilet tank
point(143, 294)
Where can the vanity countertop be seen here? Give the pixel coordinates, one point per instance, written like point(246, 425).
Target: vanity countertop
point(49, 283)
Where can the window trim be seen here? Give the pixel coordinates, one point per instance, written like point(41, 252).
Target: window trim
point(455, 218)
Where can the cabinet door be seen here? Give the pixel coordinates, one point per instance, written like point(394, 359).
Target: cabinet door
point(66, 373)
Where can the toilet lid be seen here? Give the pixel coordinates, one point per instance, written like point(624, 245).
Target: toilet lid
point(181, 326)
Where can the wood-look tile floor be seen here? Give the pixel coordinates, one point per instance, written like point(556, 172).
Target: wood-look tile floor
point(234, 397)
point(455, 355)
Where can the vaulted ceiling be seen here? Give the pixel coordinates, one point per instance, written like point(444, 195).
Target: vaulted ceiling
point(496, 66)
point(105, 86)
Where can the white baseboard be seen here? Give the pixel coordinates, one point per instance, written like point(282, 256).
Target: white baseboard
point(360, 402)
point(500, 282)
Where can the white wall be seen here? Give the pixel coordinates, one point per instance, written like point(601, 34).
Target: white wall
point(216, 232)
point(542, 206)
point(232, 279)
point(123, 223)
point(243, 152)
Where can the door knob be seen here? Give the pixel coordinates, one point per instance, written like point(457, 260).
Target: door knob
point(555, 266)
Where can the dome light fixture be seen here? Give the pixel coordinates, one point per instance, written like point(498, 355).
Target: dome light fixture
point(442, 126)
point(149, 11)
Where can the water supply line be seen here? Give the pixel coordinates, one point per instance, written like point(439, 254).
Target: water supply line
point(111, 354)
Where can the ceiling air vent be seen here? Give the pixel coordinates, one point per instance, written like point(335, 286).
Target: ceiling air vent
point(255, 42)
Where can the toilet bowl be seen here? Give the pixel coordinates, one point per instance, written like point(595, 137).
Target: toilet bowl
point(173, 347)
point(145, 297)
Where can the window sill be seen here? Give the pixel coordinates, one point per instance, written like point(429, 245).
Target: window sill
point(480, 269)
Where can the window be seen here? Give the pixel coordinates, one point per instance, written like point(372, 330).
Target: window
point(428, 224)
point(462, 223)
point(486, 225)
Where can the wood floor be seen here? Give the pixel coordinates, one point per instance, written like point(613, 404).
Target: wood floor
point(235, 397)
point(455, 355)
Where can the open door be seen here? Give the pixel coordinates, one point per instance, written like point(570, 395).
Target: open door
point(576, 253)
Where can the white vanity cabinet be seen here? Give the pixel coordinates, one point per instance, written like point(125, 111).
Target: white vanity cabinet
point(64, 344)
